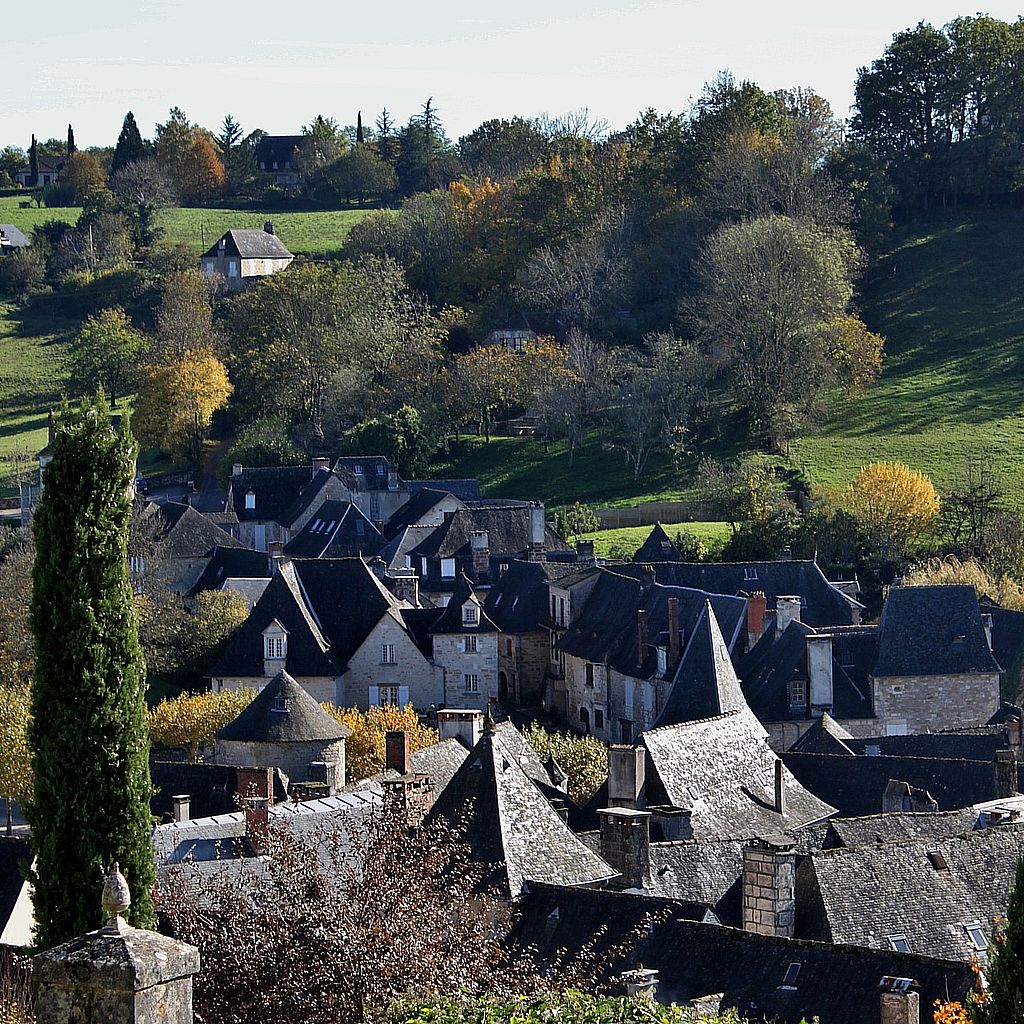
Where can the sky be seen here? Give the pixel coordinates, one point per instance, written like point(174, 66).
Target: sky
point(274, 64)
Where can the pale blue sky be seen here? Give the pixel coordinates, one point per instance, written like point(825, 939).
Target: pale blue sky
point(275, 63)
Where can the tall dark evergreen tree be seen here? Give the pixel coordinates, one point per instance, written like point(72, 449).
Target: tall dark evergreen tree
point(359, 127)
point(386, 136)
point(1006, 973)
point(33, 162)
point(130, 146)
point(71, 141)
point(90, 746)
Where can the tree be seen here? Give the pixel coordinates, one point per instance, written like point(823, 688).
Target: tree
point(386, 143)
point(82, 172)
point(15, 756)
point(399, 436)
point(130, 148)
point(184, 319)
point(201, 174)
point(575, 520)
point(364, 749)
point(177, 400)
point(952, 571)
point(22, 271)
point(357, 175)
point(233, 155)
point(584, 759)
point(896, 505)
point(502, 149)
point(105, 354)
point(264, 442)
point(141, 191)
point(17, 648)
point(88, 690)
point(33, 162)
point(193, 719)
point(71, 141)
point(12, 160)
point(1004, 1001)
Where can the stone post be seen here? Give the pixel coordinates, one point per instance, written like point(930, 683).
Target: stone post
point(899, 1001)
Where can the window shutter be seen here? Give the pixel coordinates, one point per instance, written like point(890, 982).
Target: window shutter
point(374, 696)
point(403, 696)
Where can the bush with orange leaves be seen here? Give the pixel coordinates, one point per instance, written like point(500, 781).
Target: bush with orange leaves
point(896, 505)
point(364, 749)
point(193, 719)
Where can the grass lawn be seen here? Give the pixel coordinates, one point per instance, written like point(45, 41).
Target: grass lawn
point(308, 232)
point(615, 543)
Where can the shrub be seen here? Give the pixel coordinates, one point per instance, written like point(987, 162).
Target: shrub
point(264, 442)
point(584, 759)
point(22, 272)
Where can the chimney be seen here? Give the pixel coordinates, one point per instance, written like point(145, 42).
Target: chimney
point(326, 774)
point(182, 805)
point(641, 983)
point(1014, 737)
point(769, 886)
point(255, 787)
point(787, 610)
point(407, 586)
point(648, 577)
point(674, 639)
point(321, 464)
point(585, 551)
point(819, 672)
point(899, 1001)
point(986, 621)
point(466, 725)
point(269, 227)
point(396, 752)
point(1004, 766)
point(626, 844)
point(250, 501)
point(236, 469)
point(780, 786)
point(757, 605)
point(641, 635)
point(481, 554)
point(627, 767)
point(413, 795)
point(537, 532)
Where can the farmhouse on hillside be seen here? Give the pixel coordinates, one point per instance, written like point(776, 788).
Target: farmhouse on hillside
point(243, 254)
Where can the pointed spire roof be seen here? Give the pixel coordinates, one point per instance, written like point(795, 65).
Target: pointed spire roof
point(706, 683)
point(283, 712)
point(825, 736)
point(658, 547)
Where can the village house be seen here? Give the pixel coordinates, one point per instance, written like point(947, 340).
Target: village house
point(337, 530)
point(243, 255)
point(49, 169)
point(275, 156)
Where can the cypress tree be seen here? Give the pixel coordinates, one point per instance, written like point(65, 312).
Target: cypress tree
point(130, 146)
point(71, 141)
point(90, 747)
point(359, 127)
point(1005, 1001)
point(33, 163)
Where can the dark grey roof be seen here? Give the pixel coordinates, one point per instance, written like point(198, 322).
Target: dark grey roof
point(11, 237)
point(283, 712)
point(186, 533)
point(705, 872)
point(507, 530)
point(464, 490)
point(312, 493)
point(211, 788)
point(657, 547)
point(706, 684)
point(978, 744)
point(864, 894)
point(232, 563)
point(279, 149)
point(277, 488)
point(365, 472)
point(723, 771)
point(933, 631)
point(900, 827)
point(451, 620)
point(508, 823)
point(1007, 634)
point(419, 505)
point(693, 959)
point(825, 736)
point(518, 602)
point(338, 529)
point(249, 244)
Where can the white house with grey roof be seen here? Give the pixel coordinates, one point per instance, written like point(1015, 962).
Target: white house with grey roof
point(242, 255)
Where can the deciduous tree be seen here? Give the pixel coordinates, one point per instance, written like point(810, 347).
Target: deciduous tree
point(895, 504)
point(364, 749)
point(192, 720)
point(141, 191)
point(105, 354)
point(15, 755)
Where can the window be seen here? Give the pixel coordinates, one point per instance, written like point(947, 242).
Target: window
point(750, 573)
point(797, 694)
point(208, 266)
point(508, 647)
point(625, 731)
point(598, 718)
point(470, 644)
point(250, 501)
point(899, 943)
point(789, 981)
point(561, 611)
point(330, 526)
point(281, 704)
point(977, 936)
point(472, 681)
point(315, 528)
point(846, 659)
point(469, 615)
point(389, 695)
point(232, 269)
point(897, 688)
point(938, 861)
point(590, 674)
point(447, 568)
point(274, 646)
point(387, 654)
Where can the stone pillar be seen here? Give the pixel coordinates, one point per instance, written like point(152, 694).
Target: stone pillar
point(641, 983)
point(899, 1001)
point(626, 774)
point(769, 886)
point(626, 843)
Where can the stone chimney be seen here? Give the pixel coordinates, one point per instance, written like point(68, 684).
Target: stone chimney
point(255, 790)
point(406, 586)
point(236, 469)
point(269, 227)
point(326, 774)
point(757, 605)
point(641, 635)
point(674, 638)
point(396, 752)
point(182, 807)
point(1004, 766)
point(648, 577)
point(116, 973)
point(769, 886)
point(481, 555)
point(819, 672)
point(535, 548)
point(321, 464)
point(627, 767)
point(585, 552)
point(641, 983)
point(899, 1001)
point(464, 724)
point(787, 610)
point(626, 844)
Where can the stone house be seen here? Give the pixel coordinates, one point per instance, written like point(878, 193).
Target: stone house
point(275, 155)
point(338, 529)
point(242, 256)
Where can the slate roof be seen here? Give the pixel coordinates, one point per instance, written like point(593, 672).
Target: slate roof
point(338, 529)
point(279, 149)
point(395, 550)
point(723, 771)
point(232, 563)
point(464, 490)
point(309, 495)
point(364, 472)
point(276, 488)
point(933, 631)
point(970, 745)
point(1007, 633)
point(518, 602)
point(418, 506)
point(283, 712)
point(705, 684)
point(12, 238)
point(825, 736)
point(824, 604)
point(899, 827)
point(328, 605)
point(657, 547)
point(693, 959)
point(450, 620)
point(507, 533)
point(508, 823)
point(707, 873)
point(249, 244)
point(868, 893)
point(186, 533)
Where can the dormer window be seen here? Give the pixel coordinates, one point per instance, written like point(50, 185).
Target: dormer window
point(447, 568)
point(275, 647)
point(250, 501)
point(281, 704)
point(797, 694)
point(470, 615)
point(899, 943)
point(749, 573)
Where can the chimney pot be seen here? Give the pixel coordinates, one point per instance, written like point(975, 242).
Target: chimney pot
point(757, 605)
point(182, 806)
point(787, 610)
point(236, 469)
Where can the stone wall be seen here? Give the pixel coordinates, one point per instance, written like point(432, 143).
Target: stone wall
point(451, 656)
point(930, 703)
point(322, 688)
point(293, 759)
point(411, 669)
point(526, 665)
point(769, 890)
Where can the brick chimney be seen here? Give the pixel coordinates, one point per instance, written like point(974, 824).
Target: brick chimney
point(787, 610)
point(321, 464)
point(182, 805)
point(674, 639)
point(396, 752)
point(255, 789)
point(464, 724)
point(819, 672)
point(769, 886)
point(535, 549)
point(627, 766)
point(899, 1001)
point(626, 843)
point(481, 554)
point(757, 605)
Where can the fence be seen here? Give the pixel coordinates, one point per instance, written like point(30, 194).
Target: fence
point(648, 513)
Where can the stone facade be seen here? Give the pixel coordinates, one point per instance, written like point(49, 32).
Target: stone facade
point(586, 697)
point(451, 656)
point(293, 759)
point(322, 688)
point(769, 888)
point(916, 704)
point(523, 659)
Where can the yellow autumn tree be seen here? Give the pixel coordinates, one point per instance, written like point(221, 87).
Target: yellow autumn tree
point(193, 719)
point(177, 400)
point(895, 504)
point(15, 757)
point(364, 749)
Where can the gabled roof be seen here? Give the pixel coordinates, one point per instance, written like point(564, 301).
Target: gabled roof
point(11, 237)
point(338, 529)
point(311, 493)
point(825, 736)
point(186, 533)
point(507, 529)
point(283, 712)
point(232, 563)
point(510, 826)
point(249, 244)
point(723, 771)
point(450, 620)
point(416, 508)
point(657, 548)
point(933, 631)
point(278, 147)
point(465, 490)
point(900, 827)
point(705, 684)
point(276, 489)
point(518, 602)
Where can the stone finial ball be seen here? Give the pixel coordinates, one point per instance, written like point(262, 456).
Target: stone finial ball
point(117, 897)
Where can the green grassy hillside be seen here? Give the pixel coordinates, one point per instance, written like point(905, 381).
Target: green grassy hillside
point(311, 232)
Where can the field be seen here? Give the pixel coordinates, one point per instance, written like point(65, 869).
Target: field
point(312, 232)
point(624, 542)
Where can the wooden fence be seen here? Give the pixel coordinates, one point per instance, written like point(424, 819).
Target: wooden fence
point(648, 513)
